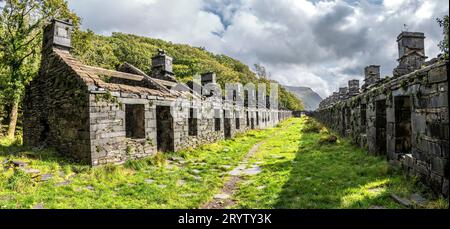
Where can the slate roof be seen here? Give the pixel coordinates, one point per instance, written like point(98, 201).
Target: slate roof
point(94, 79)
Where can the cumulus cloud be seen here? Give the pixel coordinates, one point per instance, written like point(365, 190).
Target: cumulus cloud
point(316, 43)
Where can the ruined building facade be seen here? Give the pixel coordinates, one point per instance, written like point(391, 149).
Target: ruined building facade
point(404, 117)
point(99, 116)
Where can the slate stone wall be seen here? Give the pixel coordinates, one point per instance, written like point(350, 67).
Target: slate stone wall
point(56, 110)
point(414, 133)
point(109, 143)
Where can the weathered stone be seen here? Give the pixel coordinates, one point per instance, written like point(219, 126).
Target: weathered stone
point(222, 196)
point(46, 177)
point(63, 183)
point(18, 163)
point(402, 201)
point(39, 206)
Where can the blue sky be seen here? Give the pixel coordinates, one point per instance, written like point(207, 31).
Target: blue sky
point(319, 44)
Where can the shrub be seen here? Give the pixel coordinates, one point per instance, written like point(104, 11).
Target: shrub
point(328, 139)
point(324, 131)
point(159, 159)
point(311, 126)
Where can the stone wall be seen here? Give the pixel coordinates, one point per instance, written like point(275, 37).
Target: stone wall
point(56, 110)
point(403, 118)
point(109, 143)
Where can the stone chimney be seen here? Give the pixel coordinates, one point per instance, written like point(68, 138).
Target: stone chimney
point(162, 66)
point(209, 84)
point(353, 87)
point(411, 52)
point(371, 75)
point(343, 93)
point(209, 77)
point(58, 35)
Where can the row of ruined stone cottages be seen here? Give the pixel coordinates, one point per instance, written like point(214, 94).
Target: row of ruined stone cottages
point(404, 117)
point(99, 116)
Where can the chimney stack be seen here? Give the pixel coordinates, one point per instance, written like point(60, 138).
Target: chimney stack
point(207, 78)
point(58, 34)
point(353, 87)
point(162, 67)
point(371, 75)
point(343, 93)
point(411, 52)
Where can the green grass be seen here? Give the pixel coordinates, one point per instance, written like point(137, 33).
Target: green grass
point(299, 171)
point(122, 186)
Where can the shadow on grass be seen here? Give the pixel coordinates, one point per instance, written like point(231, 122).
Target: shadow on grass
point(11, 149)
point(334, 176)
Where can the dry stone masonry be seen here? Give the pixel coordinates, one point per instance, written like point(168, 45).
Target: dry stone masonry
point(99, 116)
point(404, 117)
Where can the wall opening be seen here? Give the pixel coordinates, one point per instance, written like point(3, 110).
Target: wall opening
point(238, 123)
point(248, 119)
point(192, 123)
point(257, 118)
point(226, 125)
point(363, 117)
point(245, 98)
point(403, 124)
point(164, 129)
point(347, 120)
point(135, 121)
point(344, 124)
point(252, 123)
point(45, 130)
point(380, 125)
point(217, 120)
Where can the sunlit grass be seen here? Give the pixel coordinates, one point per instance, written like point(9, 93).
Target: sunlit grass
point(146, 183)
point(301, 171)
point(298, 171)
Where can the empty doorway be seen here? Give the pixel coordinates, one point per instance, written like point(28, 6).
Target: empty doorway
point(402, 124)
point(227, 125)
point(380, 125)
point(164, 126)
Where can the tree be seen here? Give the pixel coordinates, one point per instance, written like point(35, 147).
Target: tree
point(443, 45)
point(22, 23)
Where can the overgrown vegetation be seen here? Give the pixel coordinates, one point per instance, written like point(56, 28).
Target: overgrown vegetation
point(21, 28)
point(443, 45)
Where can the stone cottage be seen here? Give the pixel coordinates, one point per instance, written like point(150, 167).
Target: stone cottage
point(99, 116)
point(403, 118)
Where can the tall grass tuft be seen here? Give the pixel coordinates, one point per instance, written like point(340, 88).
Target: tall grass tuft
point(20, 181)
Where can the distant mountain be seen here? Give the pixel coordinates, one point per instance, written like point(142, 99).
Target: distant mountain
point(309, 97)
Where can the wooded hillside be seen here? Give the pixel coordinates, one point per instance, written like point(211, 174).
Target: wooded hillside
point(111, 51)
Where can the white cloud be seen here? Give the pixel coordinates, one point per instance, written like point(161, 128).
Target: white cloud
point(320, 44)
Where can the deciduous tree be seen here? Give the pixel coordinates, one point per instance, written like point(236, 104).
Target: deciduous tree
point(443, 45)
point(21, 23)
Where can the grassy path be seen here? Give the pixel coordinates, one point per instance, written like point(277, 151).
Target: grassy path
point(289, 170)
point(222, 200)
point(300, 172)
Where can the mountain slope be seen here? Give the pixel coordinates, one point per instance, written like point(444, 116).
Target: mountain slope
point(309, 97)
point(111, 51)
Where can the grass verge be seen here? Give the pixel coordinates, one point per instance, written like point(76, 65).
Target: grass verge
point(304, 168)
